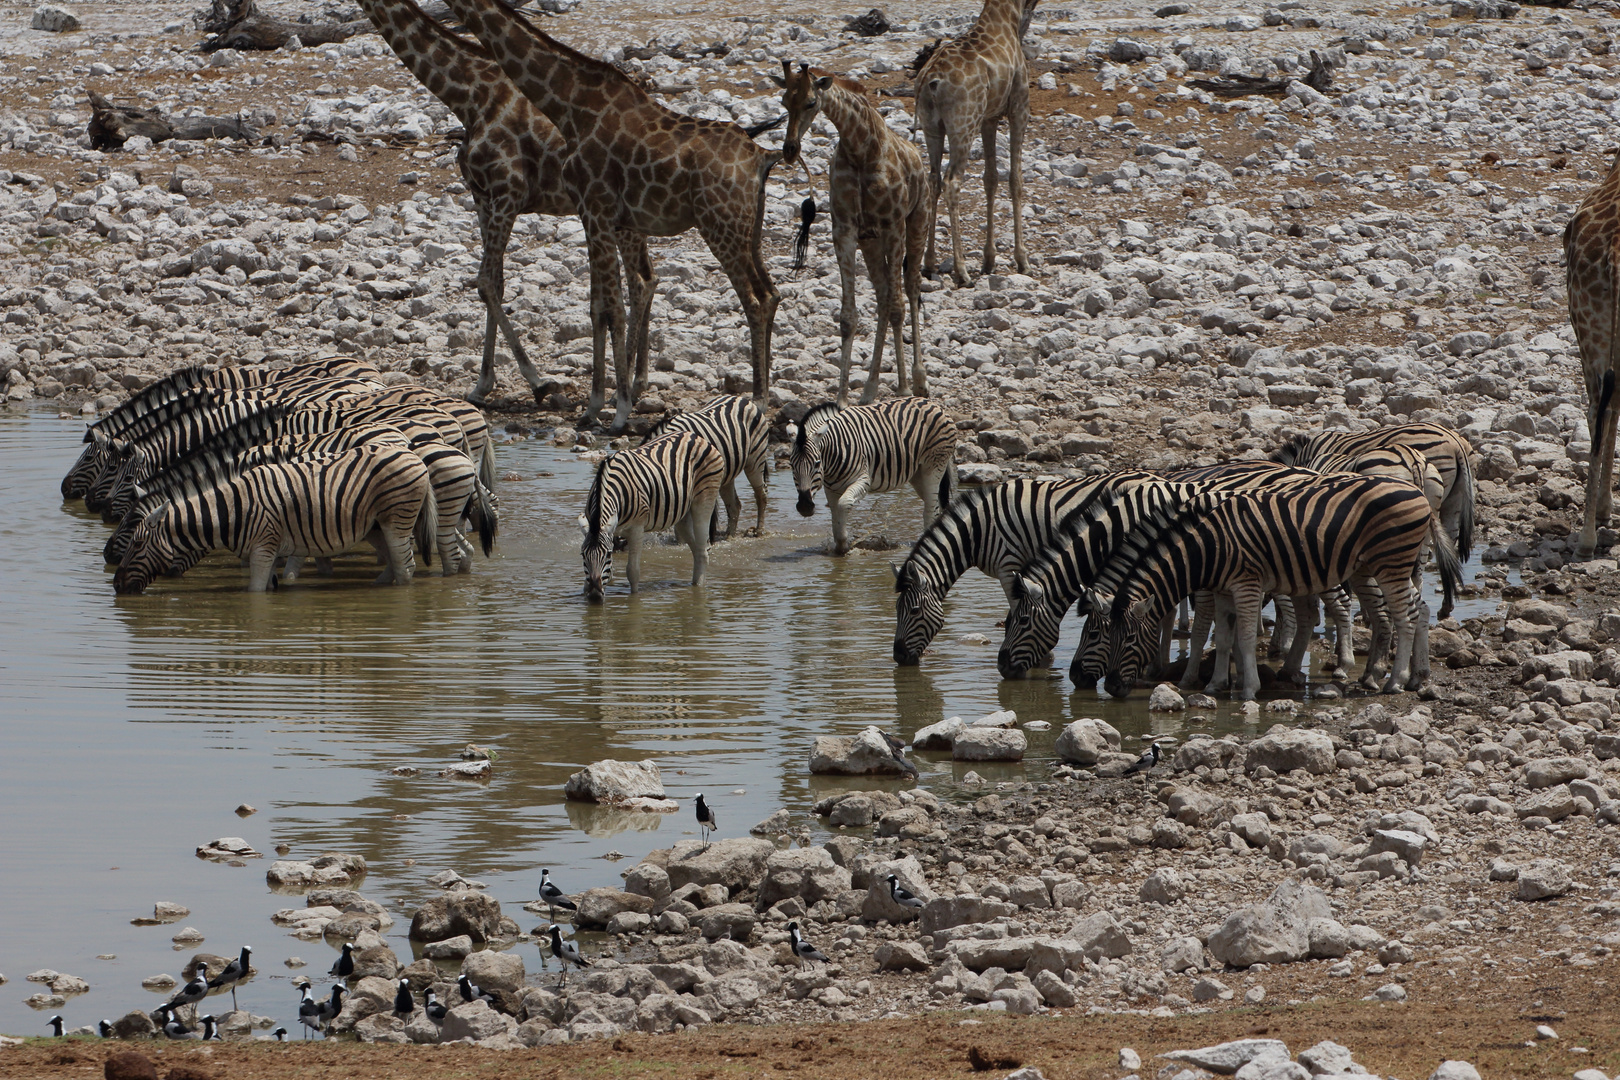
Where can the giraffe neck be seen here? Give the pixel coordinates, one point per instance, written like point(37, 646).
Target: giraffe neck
point(449, 67)
point(573, 91)
point(860, 126)
point(1003, 16)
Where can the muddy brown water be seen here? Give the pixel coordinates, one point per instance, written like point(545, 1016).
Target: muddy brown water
point(135, 726)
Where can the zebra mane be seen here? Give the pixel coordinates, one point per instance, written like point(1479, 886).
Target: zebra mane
point(1151, 537)
point(593, 503)
point(154, 396)
point(818, 416)
point(661, 428)
point(1291, 451)
point(958, 511)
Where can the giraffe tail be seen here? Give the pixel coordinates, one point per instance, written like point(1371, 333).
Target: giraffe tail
point(757, 130)
point(801, 242)
point(768, 161)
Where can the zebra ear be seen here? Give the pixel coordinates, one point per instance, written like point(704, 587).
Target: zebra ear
point(584, 524)
point(792, 432)
point(1141, 609)
point(1019, 589)
point(1101, 602)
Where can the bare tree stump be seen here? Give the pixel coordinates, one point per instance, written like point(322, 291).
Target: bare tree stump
point(238, 24)
point(111, 125)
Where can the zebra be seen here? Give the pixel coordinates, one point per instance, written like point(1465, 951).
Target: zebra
point(478, 442)
point(852, 451)
point(1444, 448)
point(1042, 589)
point(736, 427)
point(313, 509)
point(1294, 541)
point(672, 481)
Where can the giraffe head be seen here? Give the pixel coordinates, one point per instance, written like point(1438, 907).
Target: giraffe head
point(801, 98)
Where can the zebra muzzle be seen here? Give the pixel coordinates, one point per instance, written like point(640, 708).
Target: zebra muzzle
point(905, 656)
point(806, 504)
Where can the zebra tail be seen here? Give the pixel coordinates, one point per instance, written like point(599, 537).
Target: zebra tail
point(486, 463)
point(1445, 554)
point(427, 528)
point(947, 487)
point(801, 242)
point(1465, 481)
point(488, 520)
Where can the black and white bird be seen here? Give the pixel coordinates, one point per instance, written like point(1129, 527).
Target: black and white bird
point(552, 896)
point(470, 992)
point(567, 952)
point(280, 1034)
point(233, 973)
point(897, 750)
point(174, 1029)
point(334, 1004)
point(434, 1008)
point(210, 1032)
point(343, 966)
point(191, 993)
point(1148, 759)
point(901, 895)
point(404, 1003)
point(106, 1029)
point(56, 1025)
point(802, 949)
point(707, 823)
point(309, 1012)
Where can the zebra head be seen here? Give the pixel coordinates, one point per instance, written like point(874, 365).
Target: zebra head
point(1133, 643)
point(1032, 629)
point(919, 612)
point(149, 554)
point(1091, 656)
point(87, 468)
point(1292, 452)
point(112, 463)
point(806, 462)
point(600, 524)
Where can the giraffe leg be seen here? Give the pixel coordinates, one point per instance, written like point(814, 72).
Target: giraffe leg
point(991, 174)
point(878, 267)
point(844, 246)
point(739, 257)
point(915, 224)
point(640, 281)
point(496, 226)
point(961, 147)
point(607, 318)
point(1600, 462)
point(934, 138)
point(1017, 120)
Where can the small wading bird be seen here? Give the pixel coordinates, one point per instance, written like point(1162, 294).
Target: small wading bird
point(233, 973)
point(435, 1010)
point(280, 1034)
point(191, 993)
point(567, 952)
point(470, 992)
point(706, 819)
point(1149, 758)
point(343, 966)
point(404, 1004)
point(174, 1029)
point(106, 1029)
point(901, 895)
point(56, 1025)
point(802, 949)
point(309, 1012)
point(552, 896)
point(333, 1005)
point(210, 1032)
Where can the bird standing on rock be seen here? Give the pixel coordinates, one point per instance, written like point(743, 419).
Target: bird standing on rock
point(435, 1009)
point(802, 949)
point(333, 1005)
point(174, 1029)
point(707, 823)
point(567, 952)
point(470, 992)
point(404, 1004)
point(554, 897)
point(106, 1029)
point(1149, 758)
point(233, 973)
point(901, 895)
point(56, 1025)
point(343, 966)
point(191, 993)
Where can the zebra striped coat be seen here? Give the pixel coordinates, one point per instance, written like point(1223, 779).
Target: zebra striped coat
point(1445, 449)
point(1295, 542)
point(873, 448)
point(736, 427)
point(671, 482)
point(477, 441)
point(310, 509)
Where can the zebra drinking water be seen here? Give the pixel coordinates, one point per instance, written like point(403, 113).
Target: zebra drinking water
point(1295, 542)
point(736, 427)
point(311, 509)
point(671, 482)
point(873, 448)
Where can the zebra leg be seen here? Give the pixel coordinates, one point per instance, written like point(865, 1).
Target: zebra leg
point(1225, 626)
point(401, 554)
point(1283, 629)
point(323, 566)
point(1375, 612)
point(289, 571)
point(1247, 598)
point(697, 539)
point(728, 494)
point(261, 568)
point(839, 505)
point(1398, 599)
point(1420, 639)
point(1338, 609)
point(1304, 623)
point(1203, 616)
point(1167, 629)
point(756, 480)
point(844, 246)
point(632, 558)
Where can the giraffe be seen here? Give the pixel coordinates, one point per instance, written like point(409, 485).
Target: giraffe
point(879, 192)
point(1591, 255)
point(642, 169)
point(974, 81)
point(512, 159)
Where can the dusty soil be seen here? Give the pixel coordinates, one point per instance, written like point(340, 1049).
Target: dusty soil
point(1395, 1040)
